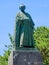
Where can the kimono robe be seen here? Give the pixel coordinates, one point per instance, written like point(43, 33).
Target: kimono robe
point(24, 28)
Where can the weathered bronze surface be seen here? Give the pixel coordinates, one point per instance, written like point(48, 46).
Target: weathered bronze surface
point(24, 28)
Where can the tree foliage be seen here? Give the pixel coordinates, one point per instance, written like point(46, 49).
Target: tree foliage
point(4, 58)
point(41, 37)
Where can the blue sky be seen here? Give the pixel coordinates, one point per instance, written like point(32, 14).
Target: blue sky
point(38, 9)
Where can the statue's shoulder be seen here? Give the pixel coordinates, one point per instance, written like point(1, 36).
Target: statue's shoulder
point(27, 14)
point(18, 16)
point(22, 16)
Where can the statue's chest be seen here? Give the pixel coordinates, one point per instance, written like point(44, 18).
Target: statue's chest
point(23, 16)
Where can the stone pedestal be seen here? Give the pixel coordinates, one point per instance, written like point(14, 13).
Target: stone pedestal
point(25, 57)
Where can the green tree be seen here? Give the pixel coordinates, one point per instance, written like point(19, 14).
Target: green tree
point(41, 37)
point(4, 58)
point(2, 61)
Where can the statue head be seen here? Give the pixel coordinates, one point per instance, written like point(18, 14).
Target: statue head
point(22, 7)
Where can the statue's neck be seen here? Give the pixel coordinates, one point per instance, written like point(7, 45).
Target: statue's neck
point(23, 11)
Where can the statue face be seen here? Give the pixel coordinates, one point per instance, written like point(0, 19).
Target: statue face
point(22, 7)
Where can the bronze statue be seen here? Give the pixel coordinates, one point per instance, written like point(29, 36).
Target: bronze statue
point(24, 29)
